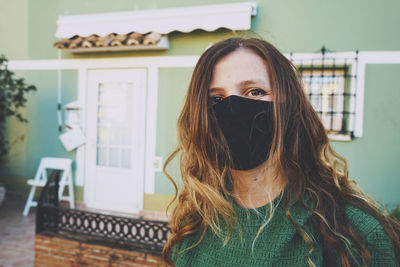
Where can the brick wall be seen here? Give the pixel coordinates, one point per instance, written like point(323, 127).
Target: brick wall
point(58, 252)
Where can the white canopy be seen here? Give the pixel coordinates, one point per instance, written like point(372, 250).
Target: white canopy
point(234, 16)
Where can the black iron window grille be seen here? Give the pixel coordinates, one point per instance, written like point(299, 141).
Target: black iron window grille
point(146, 235)
point(330, 85)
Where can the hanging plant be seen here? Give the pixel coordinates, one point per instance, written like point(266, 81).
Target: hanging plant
point(12, 97)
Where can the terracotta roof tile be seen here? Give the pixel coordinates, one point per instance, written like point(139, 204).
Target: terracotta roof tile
point(110, 40)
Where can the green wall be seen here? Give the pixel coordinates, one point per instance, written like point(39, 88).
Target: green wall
point(292, 25)
point(39, 137)
point(171, 94)
point(374, 158)
point(14, 17)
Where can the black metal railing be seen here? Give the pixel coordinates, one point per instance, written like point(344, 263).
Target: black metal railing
point(48, 203)
point(148, 235)
point(330, 85)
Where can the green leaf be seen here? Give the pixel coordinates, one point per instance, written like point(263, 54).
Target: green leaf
point(12, 97)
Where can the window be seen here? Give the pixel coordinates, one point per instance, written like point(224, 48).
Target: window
point(329, 85)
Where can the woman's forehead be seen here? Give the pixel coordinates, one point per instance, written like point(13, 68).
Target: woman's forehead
point(242, 67)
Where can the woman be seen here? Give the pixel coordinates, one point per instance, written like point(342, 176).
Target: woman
point(261, 184)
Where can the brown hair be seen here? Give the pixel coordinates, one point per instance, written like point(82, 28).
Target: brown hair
point(300, 152)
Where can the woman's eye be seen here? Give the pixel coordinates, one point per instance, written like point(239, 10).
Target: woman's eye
point(256, 92)
point(215, 99)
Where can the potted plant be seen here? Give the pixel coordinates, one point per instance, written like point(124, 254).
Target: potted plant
point(12, 97)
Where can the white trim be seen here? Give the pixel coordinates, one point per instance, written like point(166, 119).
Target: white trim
point(100, 177)
point(129, 62)
point(356, 121)
point(359, 111)
point(366, 57)
point(59, 95)
point(380, 57)
point(234, 16)
point(151, 129)
point(80, 153)
point(340, 137)
point(315, 56)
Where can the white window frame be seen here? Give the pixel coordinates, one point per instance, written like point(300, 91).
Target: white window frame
point(363, 58)
point(349, 60)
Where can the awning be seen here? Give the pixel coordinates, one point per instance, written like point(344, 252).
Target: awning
point(234, 16)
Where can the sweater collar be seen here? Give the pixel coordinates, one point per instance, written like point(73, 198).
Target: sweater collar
point(260, 215)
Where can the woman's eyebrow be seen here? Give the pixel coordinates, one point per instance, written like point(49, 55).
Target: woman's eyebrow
point(215, 89)
point(241, 84)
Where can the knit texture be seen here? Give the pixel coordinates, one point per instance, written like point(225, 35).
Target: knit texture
point(278, 244)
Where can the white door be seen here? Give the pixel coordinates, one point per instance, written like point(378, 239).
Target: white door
point(115, 139)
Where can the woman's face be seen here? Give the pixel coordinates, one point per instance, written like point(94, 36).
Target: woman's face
point(242, 73)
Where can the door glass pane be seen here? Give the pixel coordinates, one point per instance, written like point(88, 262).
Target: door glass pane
point(115, 159)
point(101, 156)
point(126, 158)
point(104, 138)
point(126, 136)
point(115, 138)
point(114, 124)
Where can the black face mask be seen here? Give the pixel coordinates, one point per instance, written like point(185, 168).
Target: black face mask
point(248, 127)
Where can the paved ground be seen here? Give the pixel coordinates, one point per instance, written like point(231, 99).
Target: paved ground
point(16, 233)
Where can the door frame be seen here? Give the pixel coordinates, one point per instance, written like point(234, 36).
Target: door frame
point(150, 122)
point(89, 181)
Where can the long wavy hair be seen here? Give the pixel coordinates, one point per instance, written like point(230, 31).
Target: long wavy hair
point(300, 152)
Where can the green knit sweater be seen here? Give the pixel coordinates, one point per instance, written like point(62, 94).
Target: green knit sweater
point(278, 244)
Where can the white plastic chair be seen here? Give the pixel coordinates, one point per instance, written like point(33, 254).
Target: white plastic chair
point(40, 180)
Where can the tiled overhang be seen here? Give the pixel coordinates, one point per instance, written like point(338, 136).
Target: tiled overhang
point(147, 29)
point(113, 41)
